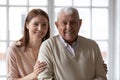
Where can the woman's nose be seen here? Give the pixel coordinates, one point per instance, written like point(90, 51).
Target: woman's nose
point(39, 27)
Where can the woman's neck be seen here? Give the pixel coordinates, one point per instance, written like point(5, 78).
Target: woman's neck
point(35, 44)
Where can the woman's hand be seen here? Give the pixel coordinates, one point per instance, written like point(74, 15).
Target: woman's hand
point(38, 68)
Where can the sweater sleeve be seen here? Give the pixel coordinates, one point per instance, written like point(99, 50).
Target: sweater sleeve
point(100, 73)
point(45, 56)
point(12, 70)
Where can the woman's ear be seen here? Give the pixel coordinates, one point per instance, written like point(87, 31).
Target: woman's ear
point(80, 22)
point(26, 25)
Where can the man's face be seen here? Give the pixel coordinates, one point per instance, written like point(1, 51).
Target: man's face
point(68, 26)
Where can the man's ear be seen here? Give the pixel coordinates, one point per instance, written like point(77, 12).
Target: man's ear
point(56, 23)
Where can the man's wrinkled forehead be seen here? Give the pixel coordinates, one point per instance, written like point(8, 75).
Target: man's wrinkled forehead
point(68, 11)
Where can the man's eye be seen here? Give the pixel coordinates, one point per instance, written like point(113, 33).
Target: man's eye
point(64, 23)
point(73, 23)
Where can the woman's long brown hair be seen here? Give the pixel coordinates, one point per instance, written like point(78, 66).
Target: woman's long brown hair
point(33, 13)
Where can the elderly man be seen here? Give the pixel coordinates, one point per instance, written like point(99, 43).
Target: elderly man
point(68, 55)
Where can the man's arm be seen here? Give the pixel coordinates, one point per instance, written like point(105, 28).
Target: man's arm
point(100, 71)
point(45, 56)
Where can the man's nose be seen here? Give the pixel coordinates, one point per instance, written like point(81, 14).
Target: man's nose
point(69, 26)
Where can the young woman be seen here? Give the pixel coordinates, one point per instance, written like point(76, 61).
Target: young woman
point(22, 55)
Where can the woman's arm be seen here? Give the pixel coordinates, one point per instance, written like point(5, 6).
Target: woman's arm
point(38, 68)
point(12, 67)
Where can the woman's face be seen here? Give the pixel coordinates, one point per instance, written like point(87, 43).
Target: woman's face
point(38, 27)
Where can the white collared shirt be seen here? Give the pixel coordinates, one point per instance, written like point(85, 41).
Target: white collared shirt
point(71, 49)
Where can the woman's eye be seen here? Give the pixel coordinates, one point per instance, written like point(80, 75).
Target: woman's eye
point(44, 24)
point(36, 24)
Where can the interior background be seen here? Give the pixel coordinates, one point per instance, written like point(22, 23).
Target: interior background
point(101, 22)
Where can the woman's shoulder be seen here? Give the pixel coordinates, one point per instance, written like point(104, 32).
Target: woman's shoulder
point(14, 47)
point(13, 51)
point(15, 44)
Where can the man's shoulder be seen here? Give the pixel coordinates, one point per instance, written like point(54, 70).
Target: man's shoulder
point(84, 40)
point(51, 39)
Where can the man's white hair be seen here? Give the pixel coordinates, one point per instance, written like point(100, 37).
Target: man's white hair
point(68, 11)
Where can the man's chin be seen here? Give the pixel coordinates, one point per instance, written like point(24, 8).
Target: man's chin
point(70, 39)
